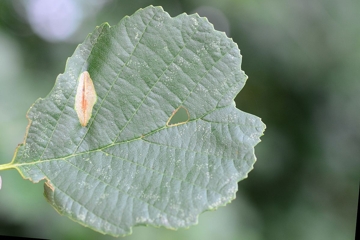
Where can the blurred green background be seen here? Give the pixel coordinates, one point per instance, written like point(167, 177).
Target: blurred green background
point(303, 62)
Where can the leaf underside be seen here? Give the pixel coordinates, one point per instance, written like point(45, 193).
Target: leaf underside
point(128, 167)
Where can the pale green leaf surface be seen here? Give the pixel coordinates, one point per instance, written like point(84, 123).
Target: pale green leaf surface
point(127, 167)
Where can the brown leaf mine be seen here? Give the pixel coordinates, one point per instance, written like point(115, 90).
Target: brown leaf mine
point(85, 98)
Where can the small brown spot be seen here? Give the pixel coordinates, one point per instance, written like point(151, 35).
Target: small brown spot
point(85, 98)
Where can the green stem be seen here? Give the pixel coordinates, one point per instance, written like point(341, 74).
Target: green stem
point(6, 166)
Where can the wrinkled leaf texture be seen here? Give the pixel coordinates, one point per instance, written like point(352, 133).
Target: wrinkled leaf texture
point(128, 167)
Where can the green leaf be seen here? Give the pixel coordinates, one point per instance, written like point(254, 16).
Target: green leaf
point(134, 163)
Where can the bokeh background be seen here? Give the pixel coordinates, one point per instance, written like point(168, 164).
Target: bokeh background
point(303, 62)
